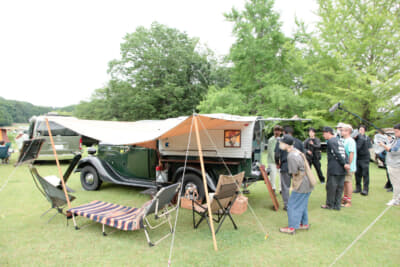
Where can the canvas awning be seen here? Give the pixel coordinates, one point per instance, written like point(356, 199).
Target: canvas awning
point(146, 132)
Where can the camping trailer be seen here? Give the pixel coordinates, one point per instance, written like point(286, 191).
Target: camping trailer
point(229, 144)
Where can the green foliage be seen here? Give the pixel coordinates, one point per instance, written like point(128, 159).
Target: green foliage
point(225, 100)
point(258, 53)
point(18, 112)
point(5, 117)
point(261, 80)
point(162, 73)
point(66, 110)
point(353, 58)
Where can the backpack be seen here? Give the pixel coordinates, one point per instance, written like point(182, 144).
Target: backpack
point(308, 172)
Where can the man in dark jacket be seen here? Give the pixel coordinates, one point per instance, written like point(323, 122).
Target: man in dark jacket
point(337, 167)
point(312, 147)
point(363, 145)
point(282, 164)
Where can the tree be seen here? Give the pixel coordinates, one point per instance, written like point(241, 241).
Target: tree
point(224, 100)
point(19, 111)
point(260, 73)
point(5, 118)
point(96, 108)
point(162, 73)
point(354, 58)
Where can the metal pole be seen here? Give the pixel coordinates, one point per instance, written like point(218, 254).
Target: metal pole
point(361, 119)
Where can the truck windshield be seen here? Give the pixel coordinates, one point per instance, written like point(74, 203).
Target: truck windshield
point(56, 129)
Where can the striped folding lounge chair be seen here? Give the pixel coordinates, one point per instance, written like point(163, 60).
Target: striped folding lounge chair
point(130, 218)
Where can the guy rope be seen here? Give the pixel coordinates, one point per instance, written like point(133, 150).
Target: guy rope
point(195, 121)
point(238, 185)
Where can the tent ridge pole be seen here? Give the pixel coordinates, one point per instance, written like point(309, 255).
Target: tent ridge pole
point(58, 163)
point(203, 172)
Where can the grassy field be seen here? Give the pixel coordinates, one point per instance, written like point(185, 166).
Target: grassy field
point(26, 238)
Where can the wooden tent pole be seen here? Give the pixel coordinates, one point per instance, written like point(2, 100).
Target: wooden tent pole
point(203, 172)
point(58, 164)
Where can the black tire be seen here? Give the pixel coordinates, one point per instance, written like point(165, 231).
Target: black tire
point(90, 179)
point(191, 178)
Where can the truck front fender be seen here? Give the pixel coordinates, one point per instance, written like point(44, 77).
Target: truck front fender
point(97, 164)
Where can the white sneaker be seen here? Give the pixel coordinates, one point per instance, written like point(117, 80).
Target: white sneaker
point(392, 203)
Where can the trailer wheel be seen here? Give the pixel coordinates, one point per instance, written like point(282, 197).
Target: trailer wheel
point(193, 181)
point(90, 179)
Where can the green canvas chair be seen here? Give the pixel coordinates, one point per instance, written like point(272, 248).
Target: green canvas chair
point(4, 154)
point(51, 187)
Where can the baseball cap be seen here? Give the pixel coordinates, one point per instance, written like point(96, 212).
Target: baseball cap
point(287, 139)
point(347, 126)
point(340, 125)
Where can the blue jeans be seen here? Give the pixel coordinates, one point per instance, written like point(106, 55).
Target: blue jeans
point(298, 209)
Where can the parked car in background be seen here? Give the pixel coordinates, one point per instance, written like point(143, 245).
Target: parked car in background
point(66, 141)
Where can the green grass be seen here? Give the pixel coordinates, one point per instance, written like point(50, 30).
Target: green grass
point(26, 238)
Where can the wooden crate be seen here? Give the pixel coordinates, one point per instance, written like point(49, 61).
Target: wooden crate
point(240, 205)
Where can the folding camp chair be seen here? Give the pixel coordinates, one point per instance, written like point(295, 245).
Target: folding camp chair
point(51, 187)
point(221, 202)
point(4, 154)
point(130, 218)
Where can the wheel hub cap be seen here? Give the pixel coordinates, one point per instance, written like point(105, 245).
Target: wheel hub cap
point(89, 178)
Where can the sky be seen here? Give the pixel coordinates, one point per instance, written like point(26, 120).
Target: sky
point(56, 53)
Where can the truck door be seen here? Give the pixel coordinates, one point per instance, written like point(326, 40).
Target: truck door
point(132, 162)
point(142, 162)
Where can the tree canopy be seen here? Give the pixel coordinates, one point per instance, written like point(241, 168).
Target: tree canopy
point(162, 73)
point(18, 112)
point(352, 56)
point(261, 79)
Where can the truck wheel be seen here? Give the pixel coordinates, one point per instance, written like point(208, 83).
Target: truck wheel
point(90, 179)
point(193, 181)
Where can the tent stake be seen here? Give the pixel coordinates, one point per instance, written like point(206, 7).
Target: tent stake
point(58, 163)
point(203, 172)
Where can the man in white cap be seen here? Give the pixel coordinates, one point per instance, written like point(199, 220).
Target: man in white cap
point(339, 128)
point(351, 152)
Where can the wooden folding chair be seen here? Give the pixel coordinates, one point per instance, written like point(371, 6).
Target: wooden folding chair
point(221, 201)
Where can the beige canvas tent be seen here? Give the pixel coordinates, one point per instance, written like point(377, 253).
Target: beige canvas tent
point(146, 132)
